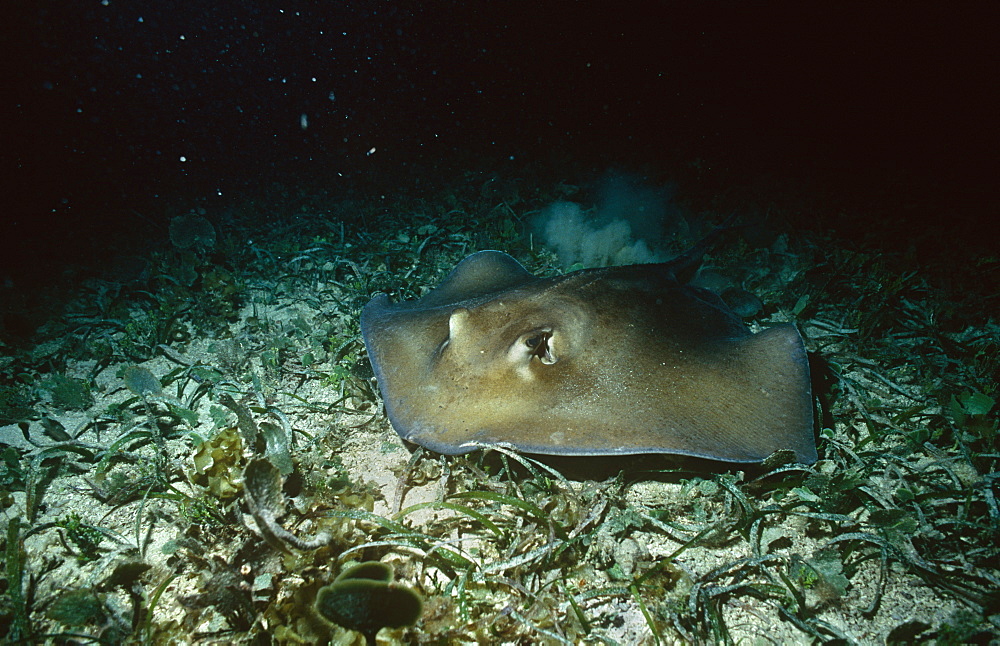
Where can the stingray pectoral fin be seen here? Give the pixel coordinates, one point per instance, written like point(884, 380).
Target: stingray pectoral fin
point(481, 274)
point(777, 410)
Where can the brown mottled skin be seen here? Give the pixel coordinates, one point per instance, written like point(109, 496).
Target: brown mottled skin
point(612, 361)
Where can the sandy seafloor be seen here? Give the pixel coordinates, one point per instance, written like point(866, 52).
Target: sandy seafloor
point(890, 537)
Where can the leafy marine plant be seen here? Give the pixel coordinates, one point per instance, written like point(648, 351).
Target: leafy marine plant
point(522, 535)
point(16, 404)
point(192, 231)
point(141, 382)
point(16, 610)
point(68, 393)
point(364, 598)
point(266, 501)
point(218, 465)
point(85, 538)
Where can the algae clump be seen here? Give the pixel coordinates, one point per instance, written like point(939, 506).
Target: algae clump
point(364, 598)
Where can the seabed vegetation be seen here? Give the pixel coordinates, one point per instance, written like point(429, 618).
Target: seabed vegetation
point(194, 451)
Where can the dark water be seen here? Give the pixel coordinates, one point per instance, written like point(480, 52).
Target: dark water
point(117, 115)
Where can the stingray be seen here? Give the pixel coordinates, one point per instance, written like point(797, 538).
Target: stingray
point(608, 361)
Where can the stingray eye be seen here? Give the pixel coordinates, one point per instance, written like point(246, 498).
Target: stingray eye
point(538, 346)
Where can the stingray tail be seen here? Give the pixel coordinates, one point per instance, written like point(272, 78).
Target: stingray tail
point(687, 264)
